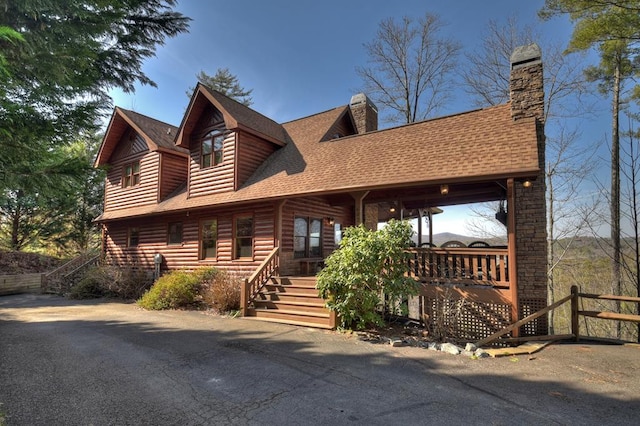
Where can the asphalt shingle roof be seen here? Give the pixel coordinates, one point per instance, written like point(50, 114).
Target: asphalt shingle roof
point(470, 146)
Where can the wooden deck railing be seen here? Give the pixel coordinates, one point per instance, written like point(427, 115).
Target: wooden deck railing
point(252, 285)
point(469, 266)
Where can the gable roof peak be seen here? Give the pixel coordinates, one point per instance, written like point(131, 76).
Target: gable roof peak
point(236, 115)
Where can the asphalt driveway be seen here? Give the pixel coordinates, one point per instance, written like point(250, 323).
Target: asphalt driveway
point(65, 362)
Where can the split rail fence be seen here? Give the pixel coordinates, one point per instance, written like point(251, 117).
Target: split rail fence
point(574, 299)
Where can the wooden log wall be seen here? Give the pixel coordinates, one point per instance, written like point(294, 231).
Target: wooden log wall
point(145, 193)
point(153, 239)
point(173, 173)
point(251, 153)
point(313, 207)
point(214, 179)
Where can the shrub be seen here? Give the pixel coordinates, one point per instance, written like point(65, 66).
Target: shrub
point(128, 283)
point(221, 292)
point(177, 289)
point(111, 281)
point(366, 265)
point(91, 285)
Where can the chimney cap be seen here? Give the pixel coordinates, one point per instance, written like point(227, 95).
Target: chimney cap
point(525, 55)
point(361, 98)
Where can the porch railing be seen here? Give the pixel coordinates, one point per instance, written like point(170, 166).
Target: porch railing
point(252, 285)
point(487, 266)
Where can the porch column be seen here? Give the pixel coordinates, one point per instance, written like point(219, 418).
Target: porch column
point(278, 223)
point(513, 271)
point(359, 197)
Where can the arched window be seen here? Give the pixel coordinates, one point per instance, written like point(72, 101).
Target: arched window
point(212, 148)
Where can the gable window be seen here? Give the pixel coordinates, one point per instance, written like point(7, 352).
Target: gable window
point(131, 174)
point(174, 235)
point(307, 237)
point(133, 236)
point(209, 239)
point(212, 148)
point(243, 237)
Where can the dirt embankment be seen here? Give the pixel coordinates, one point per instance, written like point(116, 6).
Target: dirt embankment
point(12, 262)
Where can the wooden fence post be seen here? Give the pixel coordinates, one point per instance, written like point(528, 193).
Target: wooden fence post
point(574, 313)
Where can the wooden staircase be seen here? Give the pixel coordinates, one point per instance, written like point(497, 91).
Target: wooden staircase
point(291, 300)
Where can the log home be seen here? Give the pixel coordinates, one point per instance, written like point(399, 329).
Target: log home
point(233, 189)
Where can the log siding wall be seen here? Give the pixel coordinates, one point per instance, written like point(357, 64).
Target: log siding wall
point(313, 207)
point(214, 179)
point(146, 192)
point(173, 173)
point(250, 154)
point(153, 237)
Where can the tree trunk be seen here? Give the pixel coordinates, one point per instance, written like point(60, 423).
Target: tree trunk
point(615, 190)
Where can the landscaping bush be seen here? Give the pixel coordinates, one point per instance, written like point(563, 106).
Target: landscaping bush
point(177, 289)
point(221, 292)
point(111, 281)
point(366, 265)
point(91, 286)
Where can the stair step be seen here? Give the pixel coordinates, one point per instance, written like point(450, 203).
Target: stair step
point(289, 297)
point(278, 312)
point(303, 282)
point(299, 307)
point(292, 322)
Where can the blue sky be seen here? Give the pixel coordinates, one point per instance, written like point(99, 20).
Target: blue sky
point(299, 57)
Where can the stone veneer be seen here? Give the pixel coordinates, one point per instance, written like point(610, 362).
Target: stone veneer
point(527, 100)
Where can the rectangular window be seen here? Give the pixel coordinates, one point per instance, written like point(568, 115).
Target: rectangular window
point(209, 239)
point(131, 174)
point(133, 237)
point(307, 237)
point(175, 233)
point(243, 236)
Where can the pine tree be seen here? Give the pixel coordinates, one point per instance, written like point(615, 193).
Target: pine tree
point(226, 83)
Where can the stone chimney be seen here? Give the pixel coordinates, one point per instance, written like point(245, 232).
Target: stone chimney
point(526, 84)
point(364, 112)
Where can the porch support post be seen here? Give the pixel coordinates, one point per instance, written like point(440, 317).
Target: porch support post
point(278, 222)
point(419, 227)
point(359, 197)
point(513, 271)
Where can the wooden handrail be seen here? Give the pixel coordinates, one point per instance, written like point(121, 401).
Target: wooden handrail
point(252, 285)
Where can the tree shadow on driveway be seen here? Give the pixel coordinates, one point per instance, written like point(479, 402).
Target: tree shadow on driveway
point(67, 362)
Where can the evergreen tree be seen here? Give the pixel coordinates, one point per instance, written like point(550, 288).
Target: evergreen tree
point(59, 60)
point(226, 83)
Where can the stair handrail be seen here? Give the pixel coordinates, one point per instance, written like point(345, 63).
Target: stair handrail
point(256, 281)
point(90, 262)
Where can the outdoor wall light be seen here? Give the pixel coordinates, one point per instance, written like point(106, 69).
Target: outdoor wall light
point(331, 221)
point(392, 209)
point(527, 183)
point(444, 189)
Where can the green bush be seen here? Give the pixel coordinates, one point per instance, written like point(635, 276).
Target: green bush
point(366, 265)
point(177, 289)
point(91, 285)
point(221, 292)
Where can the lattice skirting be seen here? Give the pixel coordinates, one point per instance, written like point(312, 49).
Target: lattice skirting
point(467, 320)
point(539, 326)
point(462, 319)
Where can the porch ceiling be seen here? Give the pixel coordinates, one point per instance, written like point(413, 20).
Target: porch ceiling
point(421, 197)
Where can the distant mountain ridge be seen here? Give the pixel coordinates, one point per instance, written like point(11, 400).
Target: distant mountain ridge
point(443, 237)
